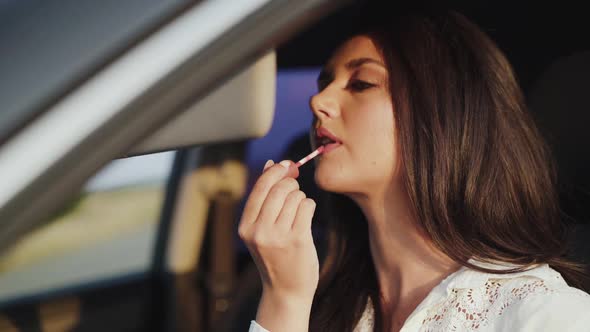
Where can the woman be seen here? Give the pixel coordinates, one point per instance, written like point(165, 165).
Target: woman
point(445, 211)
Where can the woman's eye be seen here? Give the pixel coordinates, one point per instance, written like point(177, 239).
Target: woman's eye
point(358, 85)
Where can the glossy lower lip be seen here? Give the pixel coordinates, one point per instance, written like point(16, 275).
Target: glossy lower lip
point(330, 147)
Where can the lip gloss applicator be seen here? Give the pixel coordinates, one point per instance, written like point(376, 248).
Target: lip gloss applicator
point(310, 156)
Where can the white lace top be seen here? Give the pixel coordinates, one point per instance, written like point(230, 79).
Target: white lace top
point(467, 300)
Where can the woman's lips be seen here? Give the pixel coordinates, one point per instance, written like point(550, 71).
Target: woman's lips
point(330, 147)
point(323, 133)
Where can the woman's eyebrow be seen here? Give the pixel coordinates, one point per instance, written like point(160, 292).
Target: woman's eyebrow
point(355, 63)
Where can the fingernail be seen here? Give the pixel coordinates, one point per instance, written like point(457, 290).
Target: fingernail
point(268, 164)
point(285, 163)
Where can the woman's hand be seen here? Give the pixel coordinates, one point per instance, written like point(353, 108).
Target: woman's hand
point(276, 228)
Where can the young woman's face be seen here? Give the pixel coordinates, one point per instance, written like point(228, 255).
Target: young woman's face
point(354, 105)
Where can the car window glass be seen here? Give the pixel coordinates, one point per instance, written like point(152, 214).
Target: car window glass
point(109, 231)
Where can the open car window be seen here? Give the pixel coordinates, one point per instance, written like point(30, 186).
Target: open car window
point(107, 232)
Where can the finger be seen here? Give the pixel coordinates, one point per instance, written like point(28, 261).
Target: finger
point(276, 199)
point(293, 170)
point(304, 216)
point(268, 164)
point(260, 190)
point(289, 210)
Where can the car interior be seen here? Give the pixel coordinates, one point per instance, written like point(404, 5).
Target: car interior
point(197, 275)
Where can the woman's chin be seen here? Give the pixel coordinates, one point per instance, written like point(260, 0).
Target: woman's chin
point(329, 182)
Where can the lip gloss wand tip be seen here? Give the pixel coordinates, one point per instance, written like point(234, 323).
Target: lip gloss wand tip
point(309, 157)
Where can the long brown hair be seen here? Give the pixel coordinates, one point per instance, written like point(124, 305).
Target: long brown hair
point(479, 176)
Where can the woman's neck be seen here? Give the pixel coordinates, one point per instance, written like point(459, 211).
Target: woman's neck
point(407, 264)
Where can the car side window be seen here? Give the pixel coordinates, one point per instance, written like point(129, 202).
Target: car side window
point(109, 231)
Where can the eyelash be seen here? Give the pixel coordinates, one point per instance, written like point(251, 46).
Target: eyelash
point(358, 85)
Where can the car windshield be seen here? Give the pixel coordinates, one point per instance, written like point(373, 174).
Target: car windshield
point(47, 46)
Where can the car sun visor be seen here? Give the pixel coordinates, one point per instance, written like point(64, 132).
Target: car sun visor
point(242, 107)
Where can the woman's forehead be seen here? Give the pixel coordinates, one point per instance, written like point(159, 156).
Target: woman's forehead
point(357, 47)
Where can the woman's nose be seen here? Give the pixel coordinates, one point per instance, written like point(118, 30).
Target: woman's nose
point(324, 106)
